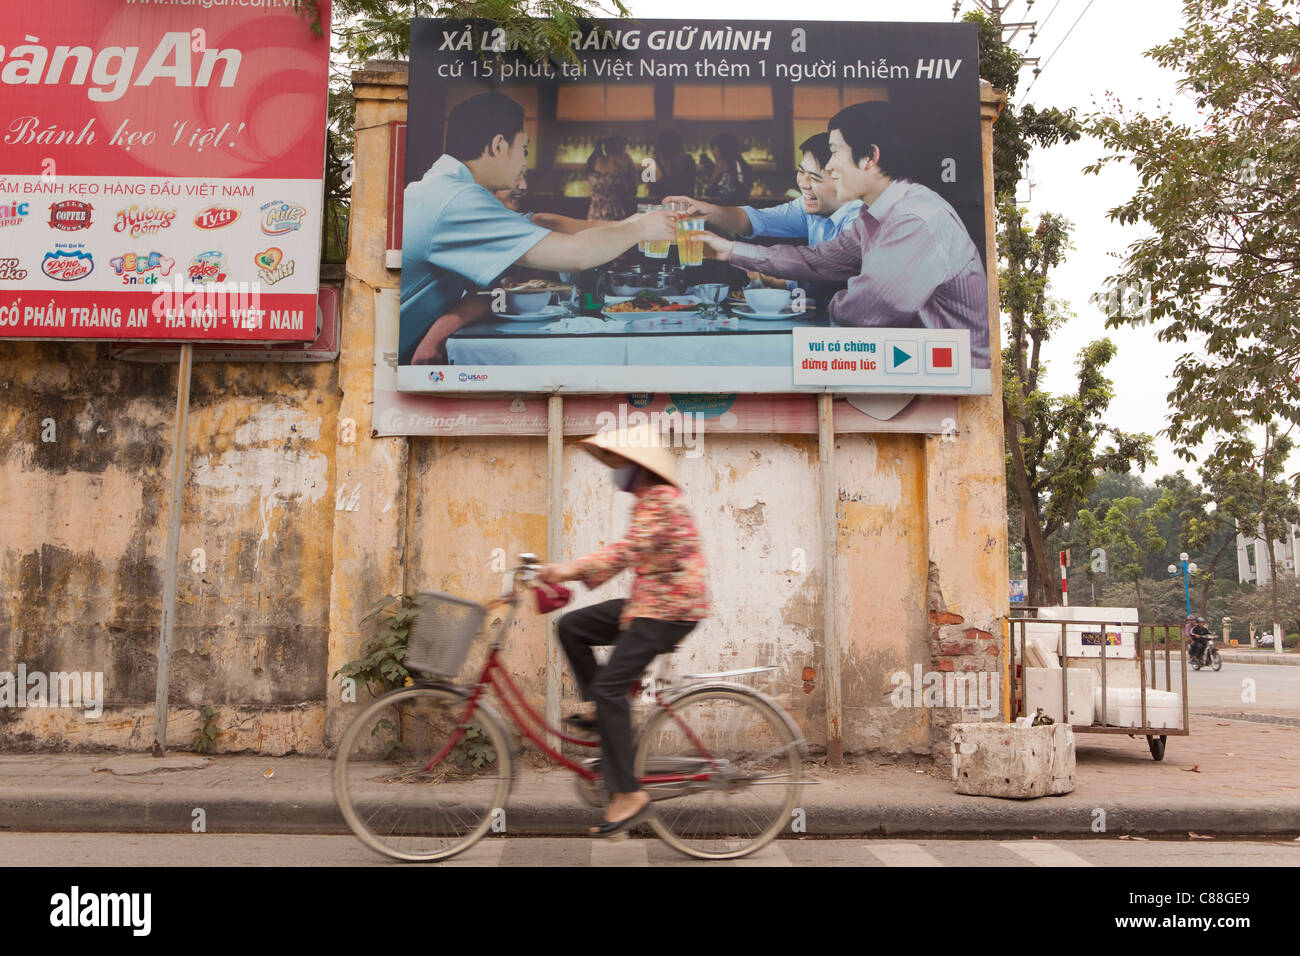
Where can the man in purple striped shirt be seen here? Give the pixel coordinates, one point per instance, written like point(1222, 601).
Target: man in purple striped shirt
point(908, 259)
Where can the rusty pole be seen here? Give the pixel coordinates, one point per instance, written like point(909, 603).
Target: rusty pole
point(830, 621)
point(163, 684)
point(554, 548)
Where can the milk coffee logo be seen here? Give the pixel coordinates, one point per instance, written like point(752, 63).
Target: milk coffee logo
point(137, 221)
point(215, 217)
point(13, 213)
point(281, 218)
point(136, 269)
point(70, 214)
point(67, 265)
point(207, 267)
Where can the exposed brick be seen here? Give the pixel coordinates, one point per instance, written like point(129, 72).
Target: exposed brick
point(945, 665)
point(993, 650)
point(974, 634)
point(946, 617)
point(957, 648)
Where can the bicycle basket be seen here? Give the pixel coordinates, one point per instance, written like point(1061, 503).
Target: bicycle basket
point(441, 633)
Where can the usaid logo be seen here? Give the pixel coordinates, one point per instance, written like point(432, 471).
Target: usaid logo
point(472, 377)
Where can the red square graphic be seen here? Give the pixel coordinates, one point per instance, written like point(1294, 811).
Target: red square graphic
point(941, 358)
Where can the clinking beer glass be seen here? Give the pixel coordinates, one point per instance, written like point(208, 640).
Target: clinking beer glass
point(690, 241)
point(657, 248)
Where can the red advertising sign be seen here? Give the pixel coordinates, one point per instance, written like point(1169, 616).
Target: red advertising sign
point(161, 167)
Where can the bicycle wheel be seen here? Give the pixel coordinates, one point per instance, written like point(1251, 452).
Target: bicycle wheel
point(753, 761)
point(402, 786)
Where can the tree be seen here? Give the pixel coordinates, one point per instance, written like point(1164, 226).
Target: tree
point(1053, 442)
point(1129, 534)
point(1220, 270)
point(1268, 496)
point(1057, 444)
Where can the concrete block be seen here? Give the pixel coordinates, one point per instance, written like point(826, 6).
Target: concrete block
point(1002, 760)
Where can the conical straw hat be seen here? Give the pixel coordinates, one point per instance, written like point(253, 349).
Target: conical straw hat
point(640, 444)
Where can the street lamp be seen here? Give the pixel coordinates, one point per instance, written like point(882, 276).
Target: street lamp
point(1187, 569)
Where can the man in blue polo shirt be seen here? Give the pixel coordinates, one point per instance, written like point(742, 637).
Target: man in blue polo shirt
point(458, 237)
point(817, 215)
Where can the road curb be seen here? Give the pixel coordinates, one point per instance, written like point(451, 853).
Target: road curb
point(1045, 816)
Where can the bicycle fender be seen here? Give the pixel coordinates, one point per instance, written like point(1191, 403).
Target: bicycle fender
point(671, 697)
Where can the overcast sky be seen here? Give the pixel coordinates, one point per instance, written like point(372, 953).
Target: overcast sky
point(1102, 53)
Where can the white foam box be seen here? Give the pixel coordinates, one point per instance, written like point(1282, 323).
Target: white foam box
point(1124, 707)
point(1084, 640)
point(1043, 689)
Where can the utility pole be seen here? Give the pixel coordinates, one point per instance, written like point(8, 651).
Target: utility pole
point(995, 9)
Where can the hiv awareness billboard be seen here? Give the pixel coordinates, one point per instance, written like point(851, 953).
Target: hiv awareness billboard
point(695, 206)
point(161, 170)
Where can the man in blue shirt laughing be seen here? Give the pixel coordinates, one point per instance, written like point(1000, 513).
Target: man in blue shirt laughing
point(458, 237)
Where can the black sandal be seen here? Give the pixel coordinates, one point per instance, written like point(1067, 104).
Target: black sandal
point(610, 828)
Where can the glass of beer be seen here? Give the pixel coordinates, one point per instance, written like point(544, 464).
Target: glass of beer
point(641, 208)
point(657, 248)
point(690, 242)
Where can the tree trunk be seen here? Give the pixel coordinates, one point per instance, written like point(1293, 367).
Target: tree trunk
point(1137, 590)
point(1041, 590)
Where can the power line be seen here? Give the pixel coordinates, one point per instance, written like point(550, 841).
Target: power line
point(1059, 45)
point(1049, 14)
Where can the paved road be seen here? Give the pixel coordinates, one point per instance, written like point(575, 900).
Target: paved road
point(1276, 689)
point(212, 849)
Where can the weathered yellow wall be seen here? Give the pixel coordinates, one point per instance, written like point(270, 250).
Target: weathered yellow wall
point(83, 526)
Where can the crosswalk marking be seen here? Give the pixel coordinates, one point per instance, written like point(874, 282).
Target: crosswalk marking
point(902, 854)
point(483, 853)
point(770, 855)
point(1045, 854)
point(618, 853)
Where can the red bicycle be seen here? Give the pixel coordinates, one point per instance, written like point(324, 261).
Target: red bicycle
point(423, 772)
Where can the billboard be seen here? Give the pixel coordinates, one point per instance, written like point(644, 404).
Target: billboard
point(161, 170)
point(769, 207)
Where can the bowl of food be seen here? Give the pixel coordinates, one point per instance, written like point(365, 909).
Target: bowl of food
point(767, 300)
point(526, 303)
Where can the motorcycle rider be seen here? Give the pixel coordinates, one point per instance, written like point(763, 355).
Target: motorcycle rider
point(1200, 635)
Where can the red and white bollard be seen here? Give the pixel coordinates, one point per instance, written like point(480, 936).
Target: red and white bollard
point(1065, 584)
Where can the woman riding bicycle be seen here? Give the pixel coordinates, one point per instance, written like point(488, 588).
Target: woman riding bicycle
point(669, 597)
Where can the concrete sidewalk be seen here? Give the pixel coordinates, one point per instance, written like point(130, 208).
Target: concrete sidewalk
point(1230, 777)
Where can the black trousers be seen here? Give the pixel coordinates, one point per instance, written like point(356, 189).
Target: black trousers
point(634, 649)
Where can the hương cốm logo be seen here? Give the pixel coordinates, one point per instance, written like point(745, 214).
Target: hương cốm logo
point(137, 221)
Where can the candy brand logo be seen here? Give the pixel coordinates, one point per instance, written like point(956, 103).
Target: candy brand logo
point(141, 269)
point(137, 221)
point(9, 271)
point(214, 217)
point(472, 377)
point(12, 214)
point(281, 218)
point(68, 265)
point(116, 69)
point(272, 266)
point(70, 214)
point(206, 267)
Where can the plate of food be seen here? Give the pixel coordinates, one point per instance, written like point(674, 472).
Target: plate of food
point(649, 305)
point(545, 312)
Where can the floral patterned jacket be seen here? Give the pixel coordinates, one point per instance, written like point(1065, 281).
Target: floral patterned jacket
point(664, 548)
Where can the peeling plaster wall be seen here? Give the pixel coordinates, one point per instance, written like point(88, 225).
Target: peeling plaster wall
point(83, 529)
